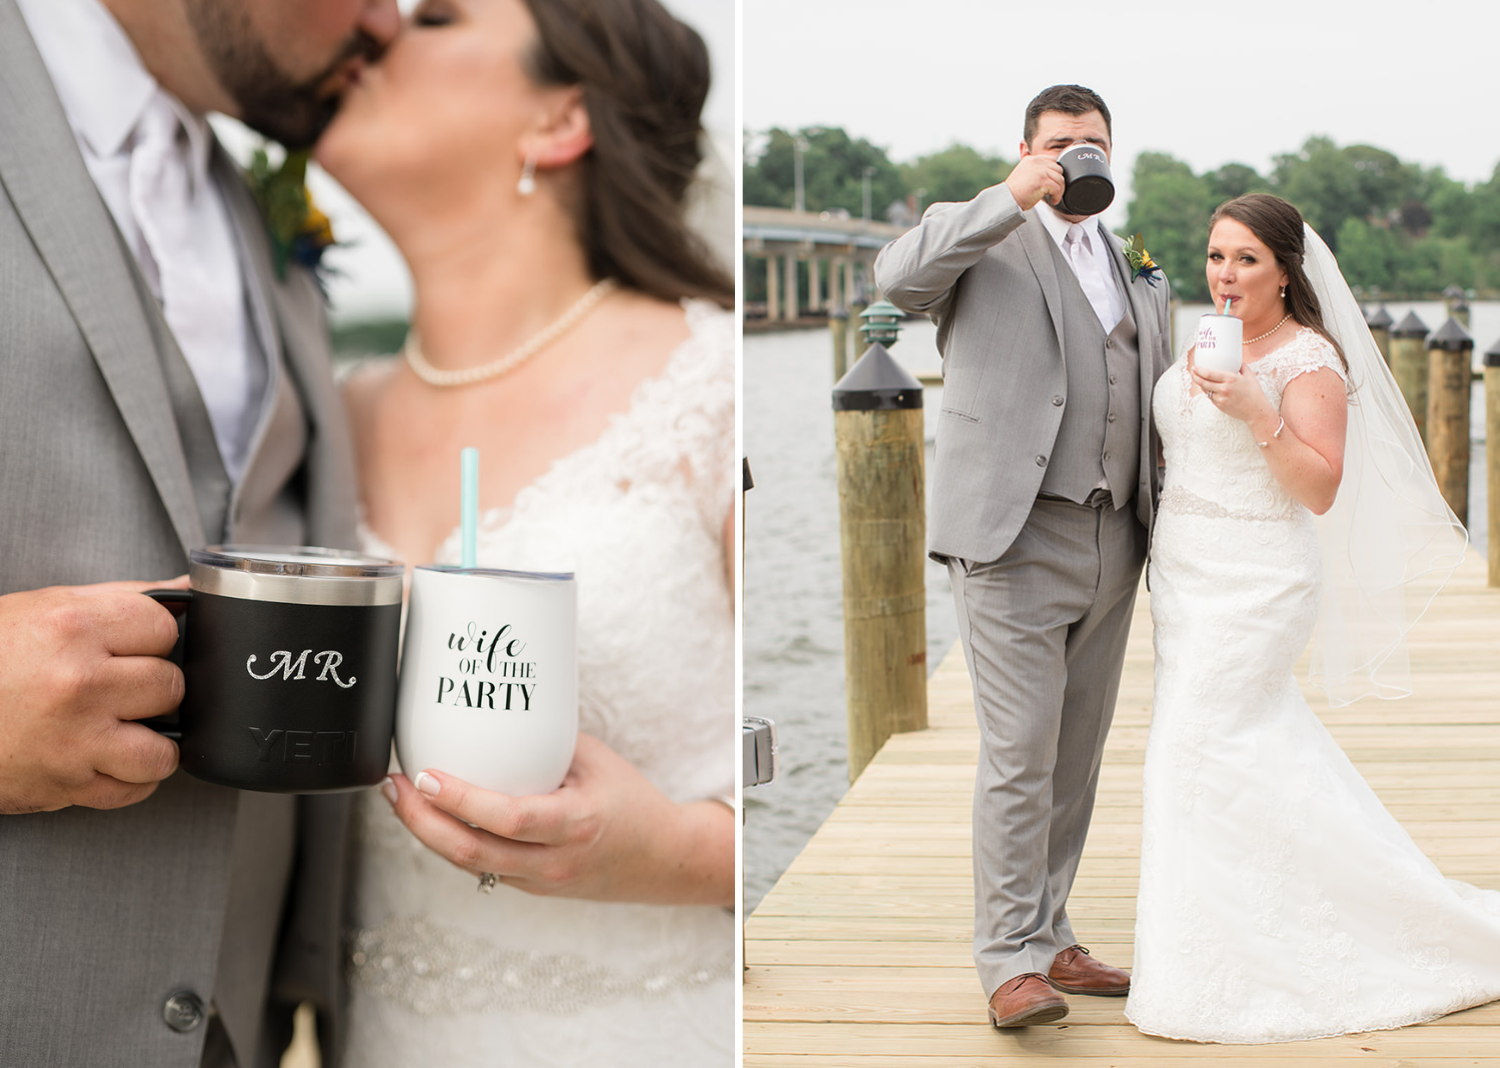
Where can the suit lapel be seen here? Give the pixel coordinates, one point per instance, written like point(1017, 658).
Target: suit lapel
point(1035, 239)
point(43, 173)
point(296, 343)
point(1151, 339)
point(1138, 293)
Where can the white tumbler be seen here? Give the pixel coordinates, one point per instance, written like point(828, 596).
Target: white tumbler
point(489, 678)
point(1220, 345)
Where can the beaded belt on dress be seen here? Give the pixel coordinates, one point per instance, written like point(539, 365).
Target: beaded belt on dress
point(438, 972)
point(1184, 502)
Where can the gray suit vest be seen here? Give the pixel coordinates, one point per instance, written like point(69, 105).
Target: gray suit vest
point(1099, 437)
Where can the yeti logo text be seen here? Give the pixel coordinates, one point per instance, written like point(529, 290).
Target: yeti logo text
point(290, 669)
point(304, 747)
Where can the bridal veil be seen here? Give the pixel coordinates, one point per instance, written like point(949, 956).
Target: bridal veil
point(1390, 541)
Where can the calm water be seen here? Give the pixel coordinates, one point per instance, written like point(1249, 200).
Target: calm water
point(793, 633)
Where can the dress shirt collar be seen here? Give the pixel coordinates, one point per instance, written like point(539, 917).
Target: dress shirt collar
point(1057, 226)
point(100, 79)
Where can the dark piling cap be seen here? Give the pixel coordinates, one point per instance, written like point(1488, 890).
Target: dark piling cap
point(1492, 355)
point(1451, 337)
point(1380, 319)
point(1411, 326)
point(839, 313)
point(1453, 292)
point(876, 383)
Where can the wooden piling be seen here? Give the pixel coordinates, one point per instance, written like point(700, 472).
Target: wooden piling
point(838, 330)
point(1409, 367)
point(1450, 355)
point(1492, 455)
point(1456, 304)
point(883, 533)
point(1380, 322)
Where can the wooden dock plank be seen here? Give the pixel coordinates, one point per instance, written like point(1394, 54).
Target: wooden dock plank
point(859, 956)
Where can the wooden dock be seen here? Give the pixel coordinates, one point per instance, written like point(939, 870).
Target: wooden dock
point(860, 955)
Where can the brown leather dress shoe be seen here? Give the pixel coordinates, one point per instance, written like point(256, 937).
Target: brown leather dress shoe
point(1026, 999)
point(1074, 971)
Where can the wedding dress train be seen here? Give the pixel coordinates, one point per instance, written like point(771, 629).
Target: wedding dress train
point(1278, 899)
point(443, 975)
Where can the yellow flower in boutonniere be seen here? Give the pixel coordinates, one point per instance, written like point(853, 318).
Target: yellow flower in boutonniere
point(1140, 261)
point(299, 231)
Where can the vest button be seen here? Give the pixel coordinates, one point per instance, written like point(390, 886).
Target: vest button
point(1111, 417)
point(183, 1011)
point(1041, 461)
point(1111, 379)
point(1057, 402)
point(1109, 343)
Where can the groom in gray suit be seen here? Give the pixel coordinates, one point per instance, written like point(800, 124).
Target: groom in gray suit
point(161, 387)
point(1042, 498)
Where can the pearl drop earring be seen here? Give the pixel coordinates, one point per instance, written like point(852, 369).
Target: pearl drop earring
point(527, 185)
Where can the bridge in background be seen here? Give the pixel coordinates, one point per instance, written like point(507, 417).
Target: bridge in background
point(840, 250)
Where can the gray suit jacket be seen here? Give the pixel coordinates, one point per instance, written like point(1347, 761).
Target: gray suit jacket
point(984, 272)
point(108, 470)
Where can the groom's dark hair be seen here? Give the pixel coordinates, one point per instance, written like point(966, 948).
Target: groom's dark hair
point(1070, 100)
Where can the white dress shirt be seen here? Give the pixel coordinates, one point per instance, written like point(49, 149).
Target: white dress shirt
point(1088, 255)
point(174, 220)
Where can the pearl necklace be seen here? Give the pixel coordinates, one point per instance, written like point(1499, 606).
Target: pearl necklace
point(1271, 331)
point(467, 376)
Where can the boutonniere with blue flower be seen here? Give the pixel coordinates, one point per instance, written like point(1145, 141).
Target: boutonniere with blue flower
point(299, 231)
point(1141, 263)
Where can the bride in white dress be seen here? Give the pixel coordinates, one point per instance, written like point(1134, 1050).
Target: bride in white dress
point(1278, 899)
point(531, 159)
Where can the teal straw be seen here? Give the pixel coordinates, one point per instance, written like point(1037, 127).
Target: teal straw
point(1227, 302)
point(468, 461)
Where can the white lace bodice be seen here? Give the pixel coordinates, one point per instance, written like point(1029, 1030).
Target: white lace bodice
point(1213, 462)
point(445, 975)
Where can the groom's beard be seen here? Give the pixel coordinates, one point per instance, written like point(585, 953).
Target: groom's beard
point(293, 113)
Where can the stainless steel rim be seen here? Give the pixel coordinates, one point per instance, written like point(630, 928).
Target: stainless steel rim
point(295, 575)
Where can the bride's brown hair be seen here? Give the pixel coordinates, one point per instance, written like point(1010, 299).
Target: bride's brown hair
point(1278, 226)
point(644, 77)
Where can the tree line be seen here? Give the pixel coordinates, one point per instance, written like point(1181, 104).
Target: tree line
point(1401, 230)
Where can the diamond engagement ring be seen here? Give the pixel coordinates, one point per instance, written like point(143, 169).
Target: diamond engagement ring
point(488, 880)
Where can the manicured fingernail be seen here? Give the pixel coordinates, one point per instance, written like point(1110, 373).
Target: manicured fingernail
point(389, 789)
point(428, 784)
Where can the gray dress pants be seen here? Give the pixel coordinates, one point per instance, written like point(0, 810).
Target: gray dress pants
point(1043, 631)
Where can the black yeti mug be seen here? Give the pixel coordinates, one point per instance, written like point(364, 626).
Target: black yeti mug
point(289, 657)
point(1088, 186)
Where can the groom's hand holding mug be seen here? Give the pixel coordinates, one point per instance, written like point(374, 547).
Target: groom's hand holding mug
point(78, 666)
point(1036, 177)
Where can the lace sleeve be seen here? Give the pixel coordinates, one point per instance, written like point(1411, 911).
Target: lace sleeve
point(711, 457)
point(1308, 352)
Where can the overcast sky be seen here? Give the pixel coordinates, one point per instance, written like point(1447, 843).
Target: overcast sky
point(1208, 83)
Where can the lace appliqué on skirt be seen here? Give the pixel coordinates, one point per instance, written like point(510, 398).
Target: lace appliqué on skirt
point(1278, 899)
